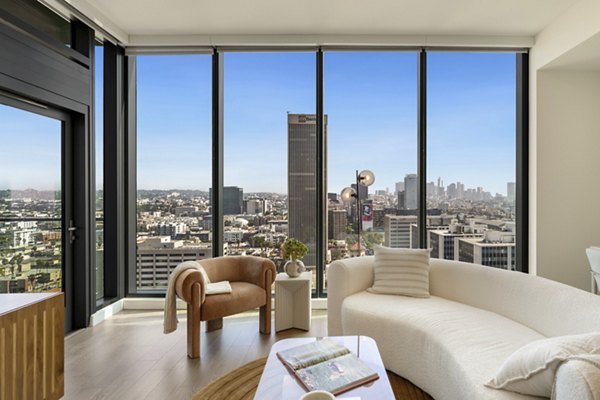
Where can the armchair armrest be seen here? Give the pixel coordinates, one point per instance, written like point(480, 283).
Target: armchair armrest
point(344, 278)
point(185, 285)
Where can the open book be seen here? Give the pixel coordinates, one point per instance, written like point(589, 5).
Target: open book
point(326, 365)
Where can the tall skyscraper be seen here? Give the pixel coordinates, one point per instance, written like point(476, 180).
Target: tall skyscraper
point(460, 190)
point(401, 200)
point(302, 181)
point(510, 191)
point(452, 191)
point(410, 192)
point(399, 187)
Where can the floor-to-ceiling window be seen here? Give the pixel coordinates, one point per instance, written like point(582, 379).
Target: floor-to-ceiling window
point(99, 132)
point(471, 156)
point(270, 141)
point(371, 107)
point(270, 132)
point(31, 202)
point(173, 165)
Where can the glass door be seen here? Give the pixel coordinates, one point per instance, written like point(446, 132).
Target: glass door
point(34, 202)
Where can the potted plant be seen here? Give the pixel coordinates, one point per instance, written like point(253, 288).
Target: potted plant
point(293, 250)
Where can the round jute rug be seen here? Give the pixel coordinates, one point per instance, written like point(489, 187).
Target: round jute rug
point(241, 384)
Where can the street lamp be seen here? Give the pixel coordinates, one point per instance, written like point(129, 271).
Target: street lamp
point(349, 194)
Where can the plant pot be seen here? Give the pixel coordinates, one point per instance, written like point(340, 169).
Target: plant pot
point(294, 268)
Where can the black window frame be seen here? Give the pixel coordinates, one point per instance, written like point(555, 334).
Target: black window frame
point(522, 117)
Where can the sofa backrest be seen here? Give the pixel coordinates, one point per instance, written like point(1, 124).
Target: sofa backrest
point(549, 307)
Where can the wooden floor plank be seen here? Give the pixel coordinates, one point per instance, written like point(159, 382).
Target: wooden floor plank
point(129, 357)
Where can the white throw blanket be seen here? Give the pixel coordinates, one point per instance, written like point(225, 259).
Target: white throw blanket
point(218, 288)
point(170, 318)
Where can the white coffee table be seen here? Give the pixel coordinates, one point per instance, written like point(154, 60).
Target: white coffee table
point(277, 383)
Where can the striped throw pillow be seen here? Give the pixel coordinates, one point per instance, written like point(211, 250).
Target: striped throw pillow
point(401, 271)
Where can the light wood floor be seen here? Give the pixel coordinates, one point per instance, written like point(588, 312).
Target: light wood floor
point(129, 357)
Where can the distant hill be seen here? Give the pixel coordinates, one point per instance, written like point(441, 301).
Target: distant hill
point(30, 194)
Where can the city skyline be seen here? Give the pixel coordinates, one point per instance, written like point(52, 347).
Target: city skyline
point(391, 189)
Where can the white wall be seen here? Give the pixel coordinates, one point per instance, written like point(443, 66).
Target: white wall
point(564, 157)
point(568, 174)
point(577, 24)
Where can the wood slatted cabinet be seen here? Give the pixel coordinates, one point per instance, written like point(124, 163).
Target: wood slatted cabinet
point(31, 346)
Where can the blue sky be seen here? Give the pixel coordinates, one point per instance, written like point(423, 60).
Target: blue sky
point(30, 155)
point(370, 100)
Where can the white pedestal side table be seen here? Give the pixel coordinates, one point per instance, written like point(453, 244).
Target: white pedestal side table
point(292, 301)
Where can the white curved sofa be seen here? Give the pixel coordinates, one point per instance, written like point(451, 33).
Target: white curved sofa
point(453, 342)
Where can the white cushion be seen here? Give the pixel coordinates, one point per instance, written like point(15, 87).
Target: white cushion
point(578, 378)
point(401, 271)
point(218, 288)
point(531, 369)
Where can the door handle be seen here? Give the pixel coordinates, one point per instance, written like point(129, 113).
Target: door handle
point(71, 229)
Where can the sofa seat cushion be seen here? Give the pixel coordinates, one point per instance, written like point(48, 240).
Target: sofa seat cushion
point(448, 349)
point(243, 297)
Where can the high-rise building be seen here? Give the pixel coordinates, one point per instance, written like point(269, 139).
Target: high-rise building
point(510, 191)
point(399, 186)
point(336, 224)
point(302, 181)
point(410, 192)
point(460, 190)
point(452, 192)
point(233, 199)
point(401, 200)
point(254, 206)
point(397, 230)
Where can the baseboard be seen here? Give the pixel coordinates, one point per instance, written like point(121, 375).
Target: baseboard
point(319, 304)
point(146, 303)
point(106, 312)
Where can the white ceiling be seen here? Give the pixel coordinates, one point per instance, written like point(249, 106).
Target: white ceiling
point(327, 17)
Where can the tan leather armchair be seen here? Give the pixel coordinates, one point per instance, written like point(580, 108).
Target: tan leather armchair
point(251, 279)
